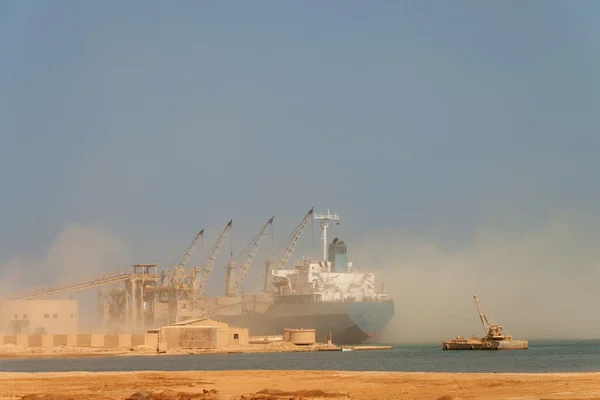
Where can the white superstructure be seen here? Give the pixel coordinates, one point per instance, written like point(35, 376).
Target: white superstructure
point(325, 218)
point(332, 279)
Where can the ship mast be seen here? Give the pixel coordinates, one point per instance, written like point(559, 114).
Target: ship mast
point(325, 218)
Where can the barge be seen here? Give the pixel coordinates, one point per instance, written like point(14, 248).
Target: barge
point(495, 339)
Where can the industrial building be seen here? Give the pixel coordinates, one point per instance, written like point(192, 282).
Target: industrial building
point(202, 334)
point(39, 317)
point(300, 337)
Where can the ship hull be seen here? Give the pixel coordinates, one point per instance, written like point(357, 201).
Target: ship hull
point(485, 345)
point(348, 322)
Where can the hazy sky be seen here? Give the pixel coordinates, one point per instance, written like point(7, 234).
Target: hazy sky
point(128, 126)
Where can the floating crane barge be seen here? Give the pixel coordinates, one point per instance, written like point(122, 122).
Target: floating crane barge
point(495, 339)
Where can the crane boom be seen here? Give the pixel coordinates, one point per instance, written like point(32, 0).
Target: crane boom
point(254, 245)
point(106, 279)
point(294, 240)
point(214, 254)
point(178, 275)
point(190, 249)
point(483, 316)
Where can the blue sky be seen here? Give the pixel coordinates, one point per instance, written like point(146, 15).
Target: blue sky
point(154, 119)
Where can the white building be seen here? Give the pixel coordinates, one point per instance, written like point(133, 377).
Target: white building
point(39, 316)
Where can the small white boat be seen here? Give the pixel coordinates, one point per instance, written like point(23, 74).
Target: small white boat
point(347, 349)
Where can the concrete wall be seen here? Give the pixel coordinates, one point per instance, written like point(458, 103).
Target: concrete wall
point(84, 340)
point(223, 329)
point(144, 339)
point(39, 316)
point(118, 340)
point(72, 339)
point(190, 337)
point(111, 340)
point(22, 340)
point(225, 335)
point(238, 336)
point(151, 339)
point(61, 340)
point(90, 340)
point(124, 340)
point(40, 340)
point(138, 339)
point(9, 339)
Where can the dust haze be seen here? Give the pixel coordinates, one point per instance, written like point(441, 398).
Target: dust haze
point(79, 252)
point(538, 282)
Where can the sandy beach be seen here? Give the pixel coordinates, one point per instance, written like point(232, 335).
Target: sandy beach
point(276, 385)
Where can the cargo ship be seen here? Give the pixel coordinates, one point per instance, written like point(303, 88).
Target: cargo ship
point(329, 295)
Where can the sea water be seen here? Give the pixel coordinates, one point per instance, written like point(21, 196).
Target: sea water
point(556, 356)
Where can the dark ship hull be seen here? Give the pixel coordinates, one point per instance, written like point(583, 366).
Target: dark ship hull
point(348, 322)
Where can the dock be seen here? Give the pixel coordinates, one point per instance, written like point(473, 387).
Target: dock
point(354, 348)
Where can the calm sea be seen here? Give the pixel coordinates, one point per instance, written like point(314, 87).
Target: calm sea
point(557, 356)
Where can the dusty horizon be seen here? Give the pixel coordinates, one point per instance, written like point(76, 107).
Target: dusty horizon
point(521, 276)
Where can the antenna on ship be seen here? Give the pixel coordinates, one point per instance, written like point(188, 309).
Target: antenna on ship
point(325, 218)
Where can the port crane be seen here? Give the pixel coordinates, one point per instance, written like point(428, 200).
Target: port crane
point(202, 274)
point(179, 277)
point(189, 250)
point(291, 242)
point(51, 290)
point(251, 249)
point(492, 329)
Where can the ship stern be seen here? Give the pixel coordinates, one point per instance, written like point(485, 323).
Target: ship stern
point(371, 317)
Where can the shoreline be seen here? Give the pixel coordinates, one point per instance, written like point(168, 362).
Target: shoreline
point(230, 385)
point(12, 352)
point(19, 352)
point(7, 375)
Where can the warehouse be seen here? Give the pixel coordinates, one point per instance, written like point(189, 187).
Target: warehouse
point(202, 334)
